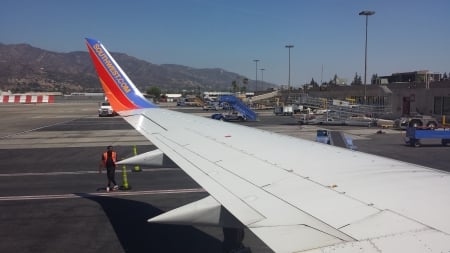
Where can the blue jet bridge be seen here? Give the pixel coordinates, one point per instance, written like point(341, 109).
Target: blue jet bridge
point(239, 106)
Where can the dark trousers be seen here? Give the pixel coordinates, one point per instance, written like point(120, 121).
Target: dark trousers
point(111, 173)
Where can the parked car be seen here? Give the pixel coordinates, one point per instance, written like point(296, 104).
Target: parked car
point(208, 107)
point(356, 120)
point(330, 121)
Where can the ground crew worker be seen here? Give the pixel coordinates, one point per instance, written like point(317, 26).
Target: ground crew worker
point(109, 159)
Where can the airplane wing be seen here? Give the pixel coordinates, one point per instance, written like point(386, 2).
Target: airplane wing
point(295, 195)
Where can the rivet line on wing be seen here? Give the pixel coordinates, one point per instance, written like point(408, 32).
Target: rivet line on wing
point(154, 122)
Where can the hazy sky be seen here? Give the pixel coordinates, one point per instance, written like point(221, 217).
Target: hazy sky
point(403, 35)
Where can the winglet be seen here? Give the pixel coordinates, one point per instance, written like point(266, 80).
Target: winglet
point(119, 89)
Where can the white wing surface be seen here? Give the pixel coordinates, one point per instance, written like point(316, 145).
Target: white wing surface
point(295, 195)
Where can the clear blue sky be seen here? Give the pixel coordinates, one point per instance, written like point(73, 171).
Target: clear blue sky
point(404, 35)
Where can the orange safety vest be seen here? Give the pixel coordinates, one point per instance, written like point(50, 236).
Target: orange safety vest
point(113, 157)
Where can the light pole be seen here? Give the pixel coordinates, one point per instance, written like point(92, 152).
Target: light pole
point(262, 76)
point(289, 77)
point(367, 14)
point(256, 73)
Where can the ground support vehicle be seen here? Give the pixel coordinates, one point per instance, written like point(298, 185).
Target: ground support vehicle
point(422, 121)
point(304, 119)
point(414, 135)
point(234, 116)
point(239, 111)
point(287, 110)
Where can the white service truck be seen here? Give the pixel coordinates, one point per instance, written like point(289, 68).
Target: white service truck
point(286, 110)
point(106, 110)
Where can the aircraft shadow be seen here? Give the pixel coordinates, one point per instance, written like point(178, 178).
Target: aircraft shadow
point(136, 235)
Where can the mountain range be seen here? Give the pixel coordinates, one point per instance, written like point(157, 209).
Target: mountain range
point(26, 68)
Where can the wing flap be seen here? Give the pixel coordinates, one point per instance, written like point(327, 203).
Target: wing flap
point(412, 242)
point(326, 203)
point(383, 223)
point(295, 238)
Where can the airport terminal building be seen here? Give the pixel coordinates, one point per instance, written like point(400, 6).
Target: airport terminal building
point(423, 94)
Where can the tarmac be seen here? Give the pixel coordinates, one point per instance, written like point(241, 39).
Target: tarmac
point(52, 198)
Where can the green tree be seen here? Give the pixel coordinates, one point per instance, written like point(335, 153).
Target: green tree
point(356, 80)
point(154, 92)
point(335, 78)
point(234, 86)
point(313, 83)
point(374, 79)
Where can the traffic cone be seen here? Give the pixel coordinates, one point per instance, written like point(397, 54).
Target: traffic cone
point(125, 185)
point(136, 167)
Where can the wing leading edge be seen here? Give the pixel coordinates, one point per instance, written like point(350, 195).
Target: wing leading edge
point(349, 201)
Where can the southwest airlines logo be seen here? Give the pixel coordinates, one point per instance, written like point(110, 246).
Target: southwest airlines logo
point(111, 68)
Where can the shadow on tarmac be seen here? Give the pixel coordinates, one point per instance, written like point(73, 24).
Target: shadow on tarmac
point(129, 220)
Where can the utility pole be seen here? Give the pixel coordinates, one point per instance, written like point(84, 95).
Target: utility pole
point(256, 73)
point(367, 14)
point(289, 76)
point(262, 76)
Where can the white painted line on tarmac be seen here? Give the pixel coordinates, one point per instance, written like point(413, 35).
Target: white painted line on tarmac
point(35, 129)
point(59, 173)
point(96, 194)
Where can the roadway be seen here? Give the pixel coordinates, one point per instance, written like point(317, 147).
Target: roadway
point(51, 196)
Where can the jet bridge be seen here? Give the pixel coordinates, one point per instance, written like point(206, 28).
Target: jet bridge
point(239, 106)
